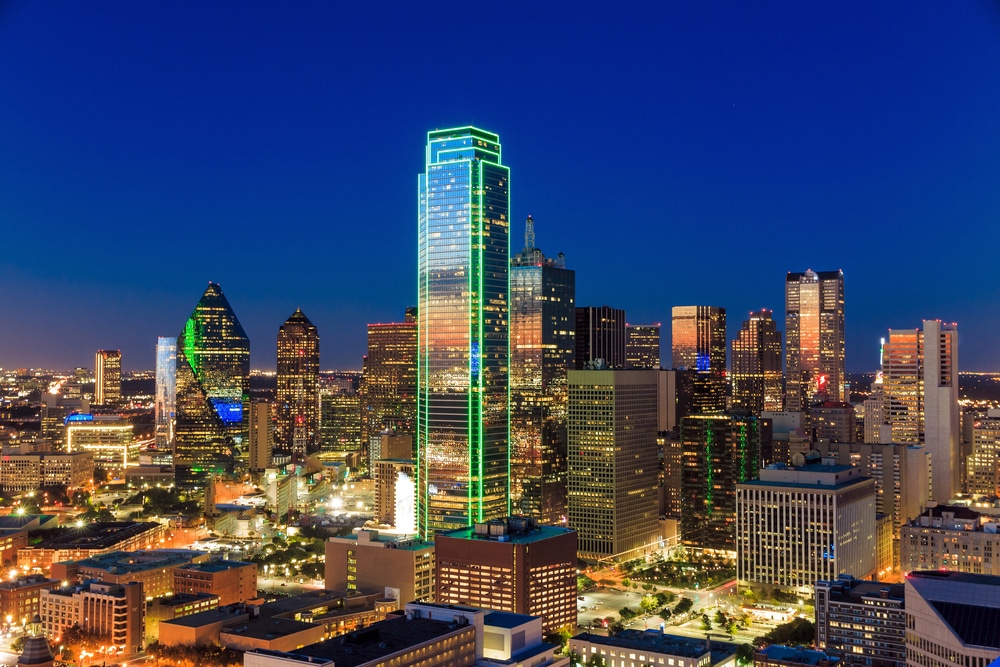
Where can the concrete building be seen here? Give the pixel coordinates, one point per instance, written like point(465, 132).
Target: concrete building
point(108, 437)
point(108, 378)
point(402, 567)
point(392, 475)
point(613, 477)
point(797, 525)
point(26, 472)
point(952, 538)
point(92, 540)
point(600, 334)
point(833, 421)
point(388, 385)
point(814, 339)
point(755, 365)
point(983, 463)
point(634, 648)
point(952, 619)
point(154, 569)
point(19, 597)
point(511, 565)
point(176, 606)
point(642, 346)
point(232, 581)
point(119, 612)
point(261, 435)
point(862, 620)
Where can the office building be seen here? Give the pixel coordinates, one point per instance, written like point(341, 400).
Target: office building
point(389, 379)
point(92, 539)
point(599, 337)
point(952, 538)
point(920, 388)
point(175, 606)
point(391, 445)
point(613, 474)
point(154, 569)
point(698, 340)
point(297, 428)
point(983, 464)
point(113, 610)
point(463, 455)
point(401, 567)
point(795, 526)
point(642, 346)
point(20, 595)
point(261, 435)
point(776, 655)
point(108, 378)
point(395, 494)
point(55, 409)
point(213, 391)
point(814, 339)
point(27, 472)
point(166, 390)
point(833, 422)
point(755, 367)
point(109, 438)
point(512, 565)
point(542, 331)
point(231, 580)
point(341, 421)
point(863, 621)
point(675, 393)
point(634, 648)
point(718, 452)
point(952, 619)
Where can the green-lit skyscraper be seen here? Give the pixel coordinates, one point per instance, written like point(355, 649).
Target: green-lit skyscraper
point(462, 336)
point(213, 391)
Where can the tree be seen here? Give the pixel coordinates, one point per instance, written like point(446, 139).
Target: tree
point(665, 615)
point(684, 606)
point(615, 628)
point(744, 654)
point(731, 627)
point(627, 614)
point(720, 618)
point(648, 604)
point(706, 624)
point(797, 632)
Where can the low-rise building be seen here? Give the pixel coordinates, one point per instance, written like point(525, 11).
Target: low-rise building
point(154, 569)
point(275, 634)
point(73, 544)
point(19, 597)
point(176, 606)
point(776, 655)
point(402, 567)
point(25, 472)
point(113, 610)
point(635, 648)
point(951, 537)
point(232, 581)
point(862, 620)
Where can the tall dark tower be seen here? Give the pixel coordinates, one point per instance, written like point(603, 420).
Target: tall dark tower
point(814, 338)
point(298, 386)
point(756, 364)
point(600, 334)
point(699, 345)
point(213, 391)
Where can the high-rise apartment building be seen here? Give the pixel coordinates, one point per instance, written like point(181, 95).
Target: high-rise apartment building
point(463, 461)
point(108, 378)
point(795, 526)
point(613, 475)
point(814, 338)
point(389, 379)
point(717, 452)
point(642, 346)
point(213, 391)
point(864, 621)
point(261, 435)
point(600, 335)
point(166, 390)
point(920, 389)
point(983, 464)
point(542, 329)
point(698, 342)
point(755, 367)
point(297, 427)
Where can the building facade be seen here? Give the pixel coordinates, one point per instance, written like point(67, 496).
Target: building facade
point(297, 424)
point(232, 581)
point(952, 538)
point(814, 338)
point(261, 435)
point(27, 472)
point(864, 621)
point(600, 335)
point(389, 379)
point(108, 378)
point(115, 611)
point(613, 467)
point(401, 567)
point(755, 367)
point(983, 464)
point(213, 391)
point(20, 596)
point(109, 438)
point(698, 343)
point(166, 390)
point(542, 331)
point(642, 346)
point(463, 459)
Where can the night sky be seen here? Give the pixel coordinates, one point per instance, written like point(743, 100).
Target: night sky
point(691, 153)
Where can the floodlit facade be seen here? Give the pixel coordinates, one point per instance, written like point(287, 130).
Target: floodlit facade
point(113, 610)
point(698, 343)
point(755, 367)
point(642, 346)
point(297, 426)
point(108, 378)
point(107, 437)
point(814, 338)
point(213, 391)
point(952, 538)
point(463, 461)
point(261, 435)
point(542, 330)
point(400, 567)
point(166, 390)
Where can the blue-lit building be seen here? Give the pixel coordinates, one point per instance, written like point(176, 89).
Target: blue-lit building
point(462, 337)
point(166, 390)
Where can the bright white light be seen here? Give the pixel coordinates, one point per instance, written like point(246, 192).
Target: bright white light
point(406, 514)
point(337, 503)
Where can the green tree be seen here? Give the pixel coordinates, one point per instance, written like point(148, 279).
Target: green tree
point(744, 654)
point(616, 627)
point(706, 624)
point(627, 614)
point(684, 606)
point(648, 604)
point(720, 618)
point(797, 632)
point(731, 627)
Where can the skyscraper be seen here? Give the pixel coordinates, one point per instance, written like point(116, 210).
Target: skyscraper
point(920, 388)
point(108, 378)
point(261, 435)
point(642, 346)
point(389, 379)
point(698, 341)
point(213, 391)
point(463, 461)
point(166, 390)
point(814, 338)
point(600, 334)
point(756, 365)
point(297, 427)
point(542, 293)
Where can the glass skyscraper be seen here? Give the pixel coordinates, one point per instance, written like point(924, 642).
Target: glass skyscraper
point(213, 391)
point(814, 338)
point(699, 344)
point(166, 390)
point(108, 378)
point(463, 461)
point(298, 386)
point(756, 365)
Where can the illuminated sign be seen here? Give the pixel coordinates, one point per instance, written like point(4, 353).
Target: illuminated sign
point(78, 418)
point(821, 384)
point(703, 363)
point(474, 355)
point(230, 410)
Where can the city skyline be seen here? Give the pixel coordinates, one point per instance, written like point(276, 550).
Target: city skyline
point(796, 138)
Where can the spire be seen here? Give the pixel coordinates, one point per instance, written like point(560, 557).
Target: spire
point(529, 234)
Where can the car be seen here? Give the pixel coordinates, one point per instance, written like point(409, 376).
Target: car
point(581, 598)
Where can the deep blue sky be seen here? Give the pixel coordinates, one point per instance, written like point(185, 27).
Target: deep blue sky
point(681, 153)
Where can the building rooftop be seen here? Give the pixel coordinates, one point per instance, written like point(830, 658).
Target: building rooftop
point(507, 620)
point(320, 598)
point(960, 577)
point(216, 566)
point(19, 521)
point(798, 656)
point(268, 628)
point(229, 613)
point(27, 581)
point(124, 562)
point(516, 530)
point(975, 624)
point(846, 588)
point(100, 535)
point(656, 642)
point(377, 539)
point(178, 599)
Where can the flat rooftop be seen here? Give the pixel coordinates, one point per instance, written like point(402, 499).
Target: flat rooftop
point(506, 620)
point(268, 628)
point(798, 656)
point(178, 599)
point(313, 599)
point(216, 566)
point(655, 642)
point(101, 535)
point(230, 613)
point(963, 577)
point(536, 534)
point(124, 562)
point(27, 581)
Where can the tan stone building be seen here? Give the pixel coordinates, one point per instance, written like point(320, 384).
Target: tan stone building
point(232, 581)
point(952, 538)
point(403, 568)
point(119, 612)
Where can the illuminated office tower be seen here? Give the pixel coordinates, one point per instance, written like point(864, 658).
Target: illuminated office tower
point(297, 428)
point(756, 365)
point(983, 464)
point(389, 379)
point(600, 334)
point(814, 338)
point(213, 391)
point(542, 323)
point(166, 390)
point(108, 378)
point(642, 346)
point(698, 338)
point(261, 435)
point(920, 386)
point(463, 458)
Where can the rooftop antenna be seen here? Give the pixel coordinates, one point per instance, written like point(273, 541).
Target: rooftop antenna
point(529, 234)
